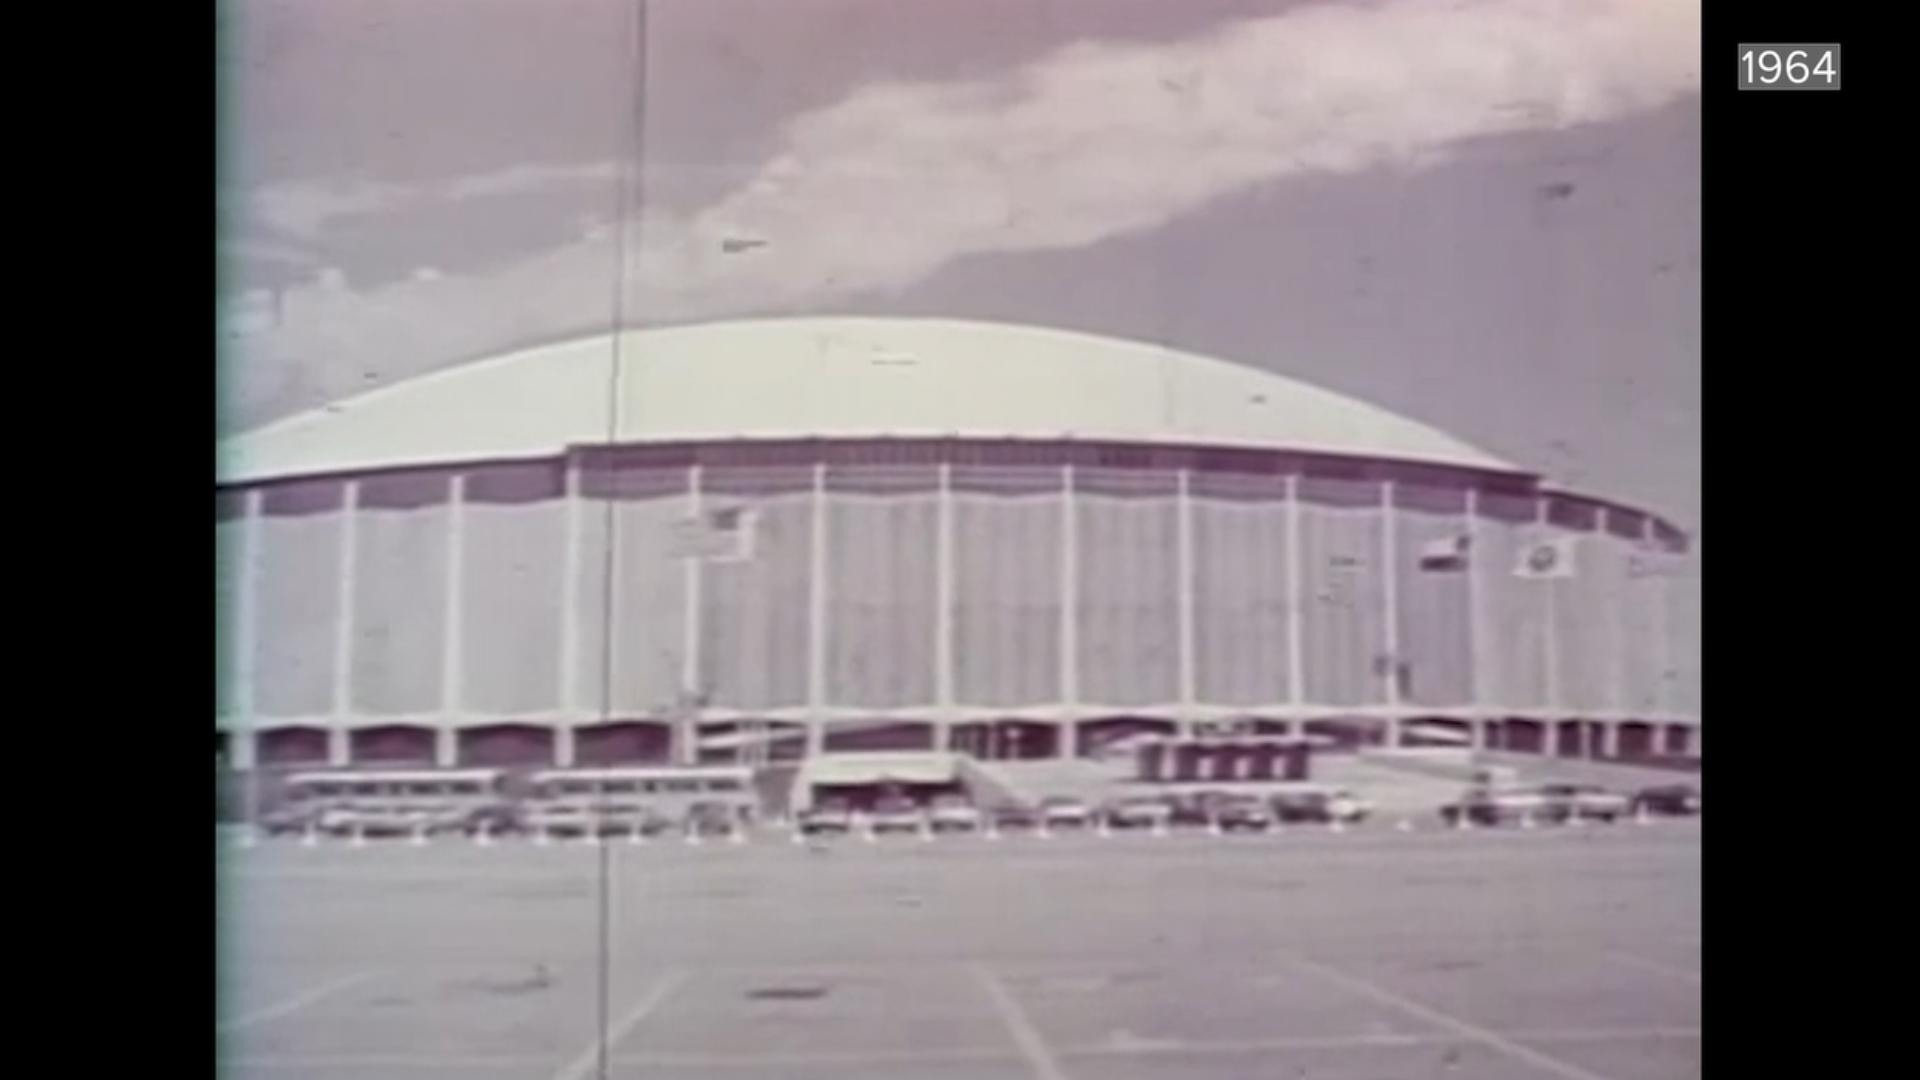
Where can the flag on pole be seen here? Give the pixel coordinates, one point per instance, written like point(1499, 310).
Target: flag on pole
point(1448, 553)
point(1551, 558)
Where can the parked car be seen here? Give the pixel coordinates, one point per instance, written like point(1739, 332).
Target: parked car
point(1320, 806)
point(1244, 813)
point(826, 817)
point(290, 820)
point(1585, 802)
point(1139, 812)
point(1014, 815)
point(954, 813)
point(1497, 806)
point(1065, 812)
point(1670, 800)
point(897, 814)
point(712, 819)
point(1198, 807)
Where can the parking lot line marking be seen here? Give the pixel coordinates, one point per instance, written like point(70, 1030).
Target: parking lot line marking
point(1027, 1037)
point(1363, 1041)
point(1633, 960)
point(805, 1058)
point(428, 1062)
point(1491, 1039)
point(293, 1004)
point(657, 994)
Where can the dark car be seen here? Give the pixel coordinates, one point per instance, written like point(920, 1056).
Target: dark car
point(1199, 807)
point(1320, 807)
point(1668, 800)
point(1584, 802)
point(1244, 814)
point(712, 819)
point(1014, 815)
point(826, 817)
point(1498, 806)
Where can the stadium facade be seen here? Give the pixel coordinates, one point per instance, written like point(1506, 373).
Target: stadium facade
point(807, 535)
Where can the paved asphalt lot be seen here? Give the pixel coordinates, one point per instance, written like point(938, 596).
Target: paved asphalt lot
point(1376, 954)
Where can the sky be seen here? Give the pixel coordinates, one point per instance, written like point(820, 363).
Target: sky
point(1483, 214)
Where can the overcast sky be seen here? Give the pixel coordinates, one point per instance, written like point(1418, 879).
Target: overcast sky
point(1484, 214)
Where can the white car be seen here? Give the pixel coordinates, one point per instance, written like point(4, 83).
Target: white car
point(1062, 812)
point(897, 815)
point(953, 813)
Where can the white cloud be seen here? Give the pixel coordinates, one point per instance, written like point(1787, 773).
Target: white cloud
point(1092, 141)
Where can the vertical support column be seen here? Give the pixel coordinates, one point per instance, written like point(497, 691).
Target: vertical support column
point(1663, 665)
point(1296, 603)
point(339, 746)
point(817, 618)
point(564, 754)
point(1479, 643)
point(1610, 739)
point(446, 746)
point(445, 749)
point(943, 693)
point(246, 616)
point(1552, 632)
point(570, 556)
point(243, 751)
point(1390, 596)
point(1069, 591)
point(687, 715)
point(1189, 688)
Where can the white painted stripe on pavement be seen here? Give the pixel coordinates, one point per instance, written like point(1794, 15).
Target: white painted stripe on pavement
point(1492, 1039)
point(293, 1004)
point(1032, 1047)
point(1645, 964)
point(582, 1066)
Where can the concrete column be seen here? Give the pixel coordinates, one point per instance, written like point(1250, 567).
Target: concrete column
point(1069, 589)
point(1480, 644)
point(1067, 745)
point(1189, 690)
point(1390, 592)
point(339, 746)
point(243, 749)
point(686, 728)
point(817, 612)
point(1552, 631)
point(1610, 738)
point(343, 602)
point(451, 628)
point(1296, 604)
point(569, 642)
point(246, 619)
point(943, 592)
point(1395, 732)
point(446, 746)
point(816, 736)
point(564, 738)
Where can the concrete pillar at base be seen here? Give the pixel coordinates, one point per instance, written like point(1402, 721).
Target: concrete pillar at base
point(816, 738)
point(1067, 739)
point(243, 749)
point(339, 747)
point(1610, 739)
point(446, 747)
point(564, 746)
point(1393, 735)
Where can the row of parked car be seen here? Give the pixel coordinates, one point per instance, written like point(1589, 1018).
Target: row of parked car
point(1561, 803)
point(1229, 811)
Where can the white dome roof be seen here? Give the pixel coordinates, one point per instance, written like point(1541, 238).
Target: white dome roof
point(833, 378)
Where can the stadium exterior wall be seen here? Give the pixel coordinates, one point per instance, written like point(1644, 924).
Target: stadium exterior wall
point(535, 609)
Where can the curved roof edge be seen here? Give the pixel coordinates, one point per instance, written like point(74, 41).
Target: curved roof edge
point(830, 378)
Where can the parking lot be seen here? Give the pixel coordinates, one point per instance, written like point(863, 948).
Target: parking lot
point(1372, 952)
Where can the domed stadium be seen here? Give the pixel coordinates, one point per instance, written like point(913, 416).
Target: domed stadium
point(785, 539)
